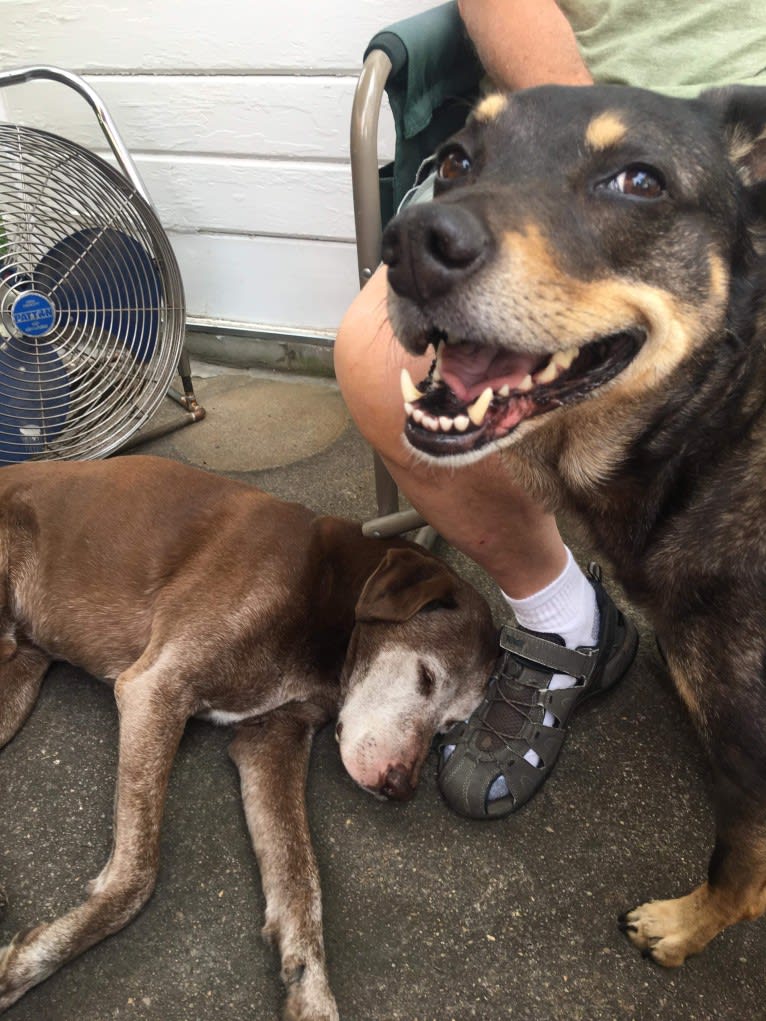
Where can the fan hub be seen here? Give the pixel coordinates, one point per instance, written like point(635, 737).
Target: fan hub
point(33, 314)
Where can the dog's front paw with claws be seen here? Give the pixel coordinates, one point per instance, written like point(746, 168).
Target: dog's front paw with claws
point(669, 931)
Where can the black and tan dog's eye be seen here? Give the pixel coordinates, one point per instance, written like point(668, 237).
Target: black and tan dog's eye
point(638, 182)
point(455, 163)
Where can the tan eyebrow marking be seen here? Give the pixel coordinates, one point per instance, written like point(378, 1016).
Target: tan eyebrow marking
point(491, 107)
point(606, 129)
point(719, 276)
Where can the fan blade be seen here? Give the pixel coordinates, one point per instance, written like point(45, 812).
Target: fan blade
point(34, 398)
point(102, 279)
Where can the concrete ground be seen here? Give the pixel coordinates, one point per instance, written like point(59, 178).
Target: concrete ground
point(428, 917)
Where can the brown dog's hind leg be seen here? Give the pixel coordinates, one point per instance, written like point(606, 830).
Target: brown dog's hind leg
point(153, 713)
point(272, 758)
point(21, 673)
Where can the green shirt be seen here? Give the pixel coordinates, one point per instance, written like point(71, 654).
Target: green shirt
point(675, 46)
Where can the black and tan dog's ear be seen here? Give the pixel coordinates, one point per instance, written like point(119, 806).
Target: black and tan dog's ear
point(404, 582)
point(742, 111)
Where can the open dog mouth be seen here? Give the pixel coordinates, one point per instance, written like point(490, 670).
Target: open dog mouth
point(476, 394)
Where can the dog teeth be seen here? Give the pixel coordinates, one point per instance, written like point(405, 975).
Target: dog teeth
point(478, 409)
point(559, 362)
point(565, 358)
point(443, 423)
point(410, 392)
point(475, 413)
point(548, 374)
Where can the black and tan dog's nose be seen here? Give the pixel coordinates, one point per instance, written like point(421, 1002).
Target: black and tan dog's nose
point(430, 248)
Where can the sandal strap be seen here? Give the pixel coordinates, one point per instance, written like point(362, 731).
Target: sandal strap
point(577, 663)
point(482, 751)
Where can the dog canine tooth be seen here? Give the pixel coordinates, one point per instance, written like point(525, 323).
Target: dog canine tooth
point(445, 423)
point(410, 392)
point(559, 362)
point(478, 409)
point(462, 422)
point(548, 374)
point(565, 358)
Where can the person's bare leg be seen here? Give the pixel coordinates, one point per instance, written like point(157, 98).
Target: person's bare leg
point(476, 508)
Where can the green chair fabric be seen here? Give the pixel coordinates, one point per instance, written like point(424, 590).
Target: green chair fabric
point(433, 83)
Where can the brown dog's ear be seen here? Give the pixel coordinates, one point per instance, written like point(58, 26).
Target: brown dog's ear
point(742, 110)
point(404, 582)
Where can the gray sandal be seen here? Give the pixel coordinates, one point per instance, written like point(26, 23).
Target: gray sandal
point(483, 772)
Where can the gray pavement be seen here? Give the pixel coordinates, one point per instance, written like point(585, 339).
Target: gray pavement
point(428, 917)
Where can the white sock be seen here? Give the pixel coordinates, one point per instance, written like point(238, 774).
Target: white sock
point(566, 607)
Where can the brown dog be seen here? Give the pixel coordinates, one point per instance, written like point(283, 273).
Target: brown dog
point(592, 274)
point(195, 595)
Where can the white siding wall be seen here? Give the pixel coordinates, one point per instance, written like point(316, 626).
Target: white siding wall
point(237, 115)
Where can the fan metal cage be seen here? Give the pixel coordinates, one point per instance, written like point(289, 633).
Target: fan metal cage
point(91, 302)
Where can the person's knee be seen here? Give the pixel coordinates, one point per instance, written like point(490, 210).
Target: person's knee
point(351, 343)
point(368, 363)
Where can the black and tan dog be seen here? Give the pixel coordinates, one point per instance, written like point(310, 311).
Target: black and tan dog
point(196, 595)
point(592, 276)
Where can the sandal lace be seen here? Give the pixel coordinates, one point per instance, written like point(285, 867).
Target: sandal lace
point(506, 689)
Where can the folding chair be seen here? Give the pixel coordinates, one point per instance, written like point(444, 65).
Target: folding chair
point(429, 69)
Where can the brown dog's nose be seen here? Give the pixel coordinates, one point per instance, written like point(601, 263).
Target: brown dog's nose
point(397, 784)
point(430, 248)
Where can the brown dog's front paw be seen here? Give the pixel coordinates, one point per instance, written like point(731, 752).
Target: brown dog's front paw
point(19, 969)
point(308, 995)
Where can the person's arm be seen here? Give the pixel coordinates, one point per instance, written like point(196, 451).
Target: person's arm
point(522, 43)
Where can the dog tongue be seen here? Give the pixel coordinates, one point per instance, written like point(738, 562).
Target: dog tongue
point(468, 368)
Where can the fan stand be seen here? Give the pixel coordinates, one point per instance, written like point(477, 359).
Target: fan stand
point(193, 410)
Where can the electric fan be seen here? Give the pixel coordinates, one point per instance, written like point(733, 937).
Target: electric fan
point(91, 301)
